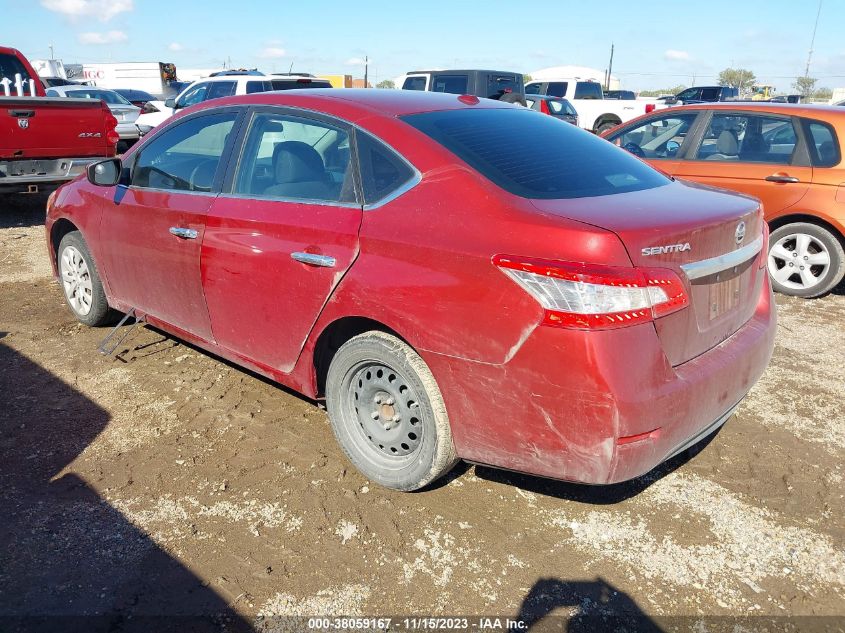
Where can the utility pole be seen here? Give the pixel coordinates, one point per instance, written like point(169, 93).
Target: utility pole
point(609, 69)
point(366, 69)
point(813, 41)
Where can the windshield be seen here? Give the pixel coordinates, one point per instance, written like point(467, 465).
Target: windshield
point(536, 156)
point(109, 96)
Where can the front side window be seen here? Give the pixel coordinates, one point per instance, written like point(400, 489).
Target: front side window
point(588, 90)
point(536, 156)
point(709, 94)
point(657, 138)
point(292, 158)
point(750, 138)
point(824, 146)
point(185, 157)
point(193, 95)
point(454, 84)
point(414, 83)
point(382, 171)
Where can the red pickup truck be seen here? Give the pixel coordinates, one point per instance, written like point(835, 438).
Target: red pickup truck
point(46, 141)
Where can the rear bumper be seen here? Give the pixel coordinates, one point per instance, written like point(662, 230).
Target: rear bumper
point(599, 407)
point(23, 175)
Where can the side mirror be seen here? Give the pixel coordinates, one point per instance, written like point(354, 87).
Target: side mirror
point(105, 173)
point(672, 148)
point(170, 103)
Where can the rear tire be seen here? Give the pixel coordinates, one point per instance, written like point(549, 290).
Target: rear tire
point(387, 412)
point(81, 283)
point(805, 260)
point(604, 127)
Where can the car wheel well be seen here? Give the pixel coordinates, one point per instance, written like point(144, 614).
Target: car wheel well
point(61, 228)
point(809, 219)
point(607, 118)
point(335, 335)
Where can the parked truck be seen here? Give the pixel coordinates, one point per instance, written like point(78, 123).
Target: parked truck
point(595, 113)
point(45, 142)
point(152, 77)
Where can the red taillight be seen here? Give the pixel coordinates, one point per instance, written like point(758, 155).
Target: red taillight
point(303, 81)
point(469, 99)
point(649, 107)
point(544, 107)
point(112, 137)
point(596, 297)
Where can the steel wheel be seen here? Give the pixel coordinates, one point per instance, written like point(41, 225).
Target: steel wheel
point(387, 412)
point(76, 280)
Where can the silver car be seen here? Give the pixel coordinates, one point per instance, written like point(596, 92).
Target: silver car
point(125, 113)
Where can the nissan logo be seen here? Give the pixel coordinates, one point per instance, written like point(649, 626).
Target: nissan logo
point(740, 232)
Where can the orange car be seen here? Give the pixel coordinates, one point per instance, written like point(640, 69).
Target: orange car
point(789, 156)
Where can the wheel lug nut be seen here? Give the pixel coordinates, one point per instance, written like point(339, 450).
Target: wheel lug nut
point(386, 427)
point(378, 399)
point(375, 415)
point(395, 418)
point(389, 401)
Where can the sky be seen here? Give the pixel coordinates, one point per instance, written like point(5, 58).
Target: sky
point(658, 44)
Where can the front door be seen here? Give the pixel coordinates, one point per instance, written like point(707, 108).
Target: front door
point(755, 154)
point(276, 246)
point(152, 231)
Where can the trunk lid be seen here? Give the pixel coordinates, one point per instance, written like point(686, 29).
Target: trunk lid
point(42, 127)
point(694, 231)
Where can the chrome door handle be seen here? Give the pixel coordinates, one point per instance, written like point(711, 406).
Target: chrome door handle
point(782, 179)
point(315, 260)
point(185, 234)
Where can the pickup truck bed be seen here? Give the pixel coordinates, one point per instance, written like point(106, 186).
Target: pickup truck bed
point(46, 141)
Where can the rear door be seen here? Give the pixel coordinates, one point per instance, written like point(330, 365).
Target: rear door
point(758, 154)
point(280, 238)
point(152, 230)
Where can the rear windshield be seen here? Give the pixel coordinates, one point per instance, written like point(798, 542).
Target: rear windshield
point(536, 156)
point(293, 84)
point(109, 96)
point(11, 66)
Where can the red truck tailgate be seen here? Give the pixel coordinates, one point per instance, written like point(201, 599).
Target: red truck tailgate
point(42, 127)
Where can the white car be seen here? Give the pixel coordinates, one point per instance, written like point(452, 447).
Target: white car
point(595, 113)
point(223, 85)
point(125, 113)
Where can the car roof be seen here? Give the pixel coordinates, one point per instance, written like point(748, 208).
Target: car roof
point(795, 109)
point(461, 70)
point(81, 87)
point(357, 103)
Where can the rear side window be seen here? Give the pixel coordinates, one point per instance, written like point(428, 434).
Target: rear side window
point(588, 90)
point(217, 89)
point(710, 94)
point(258, 86)
point(536, 156)
point(382, 171)
point(824, 146)
point(11, 66)
point(497, 85)
point(532, 89)
point(454, 84)
point(558, 89)
point(414, 83)
point(749, 138)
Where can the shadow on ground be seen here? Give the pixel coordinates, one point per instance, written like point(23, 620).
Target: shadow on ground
point(577, 606)
point(69, 561)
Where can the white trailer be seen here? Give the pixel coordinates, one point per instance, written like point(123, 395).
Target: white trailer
point(152, 77)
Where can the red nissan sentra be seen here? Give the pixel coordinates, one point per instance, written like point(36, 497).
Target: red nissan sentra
point(458, 278)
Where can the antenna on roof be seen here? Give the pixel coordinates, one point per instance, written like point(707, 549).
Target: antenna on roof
point(290, 70)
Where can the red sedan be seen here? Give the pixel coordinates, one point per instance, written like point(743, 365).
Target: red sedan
point(458, 278)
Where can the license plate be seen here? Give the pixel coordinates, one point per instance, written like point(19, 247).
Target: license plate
point(724, 296)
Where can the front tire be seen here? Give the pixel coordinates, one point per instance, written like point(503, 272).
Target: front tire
point(805, 260)
point(80, 281)
point(387, 412)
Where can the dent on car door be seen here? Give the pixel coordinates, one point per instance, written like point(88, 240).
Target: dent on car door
point(279, 240)
point(758, 154)
point(152, 228)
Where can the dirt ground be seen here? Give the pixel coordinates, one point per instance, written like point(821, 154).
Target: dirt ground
point(164, 481)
